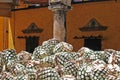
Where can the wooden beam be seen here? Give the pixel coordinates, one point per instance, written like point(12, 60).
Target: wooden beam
point(5, 9)
point(5, 5)
point(5, 12)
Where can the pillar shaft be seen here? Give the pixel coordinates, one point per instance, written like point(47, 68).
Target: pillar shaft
point(59, 7)
point(59, 25)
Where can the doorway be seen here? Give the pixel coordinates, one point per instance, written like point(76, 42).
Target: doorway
point(93, 43)
point(31, 43)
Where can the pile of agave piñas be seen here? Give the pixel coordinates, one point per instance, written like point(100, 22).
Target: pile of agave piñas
point(55, 60)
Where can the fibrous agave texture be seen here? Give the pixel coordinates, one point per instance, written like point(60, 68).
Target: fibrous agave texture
point(8, 58)
point(48, 74)
point(55, 60)
point(46, 49)
point(99, 55)
point(39, 53)
point(49, 45)
point(17, 68)
point(48, 61)
point(63, 47)
point(86, 53)
point(99, 70)
point(68, 77)
point(6, 76)
point(109, 52)
point(89, 55)
point(70, 68)
point(30, 67)
point(98, 64)
point(63, 57)
point(112, 67)
point(1, 61)
point(118, 57)
point(24, 56)
point(32, 76)
point(84, 72)
point(99, 75)
point(9, 54)
point(51, 42)
point(21, 77)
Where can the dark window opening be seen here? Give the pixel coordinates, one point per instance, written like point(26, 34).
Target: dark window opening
point(94, 44)
point(31, 43)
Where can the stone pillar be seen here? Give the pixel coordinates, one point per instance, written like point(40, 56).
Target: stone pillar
point(59, 22)
point(59, 25)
